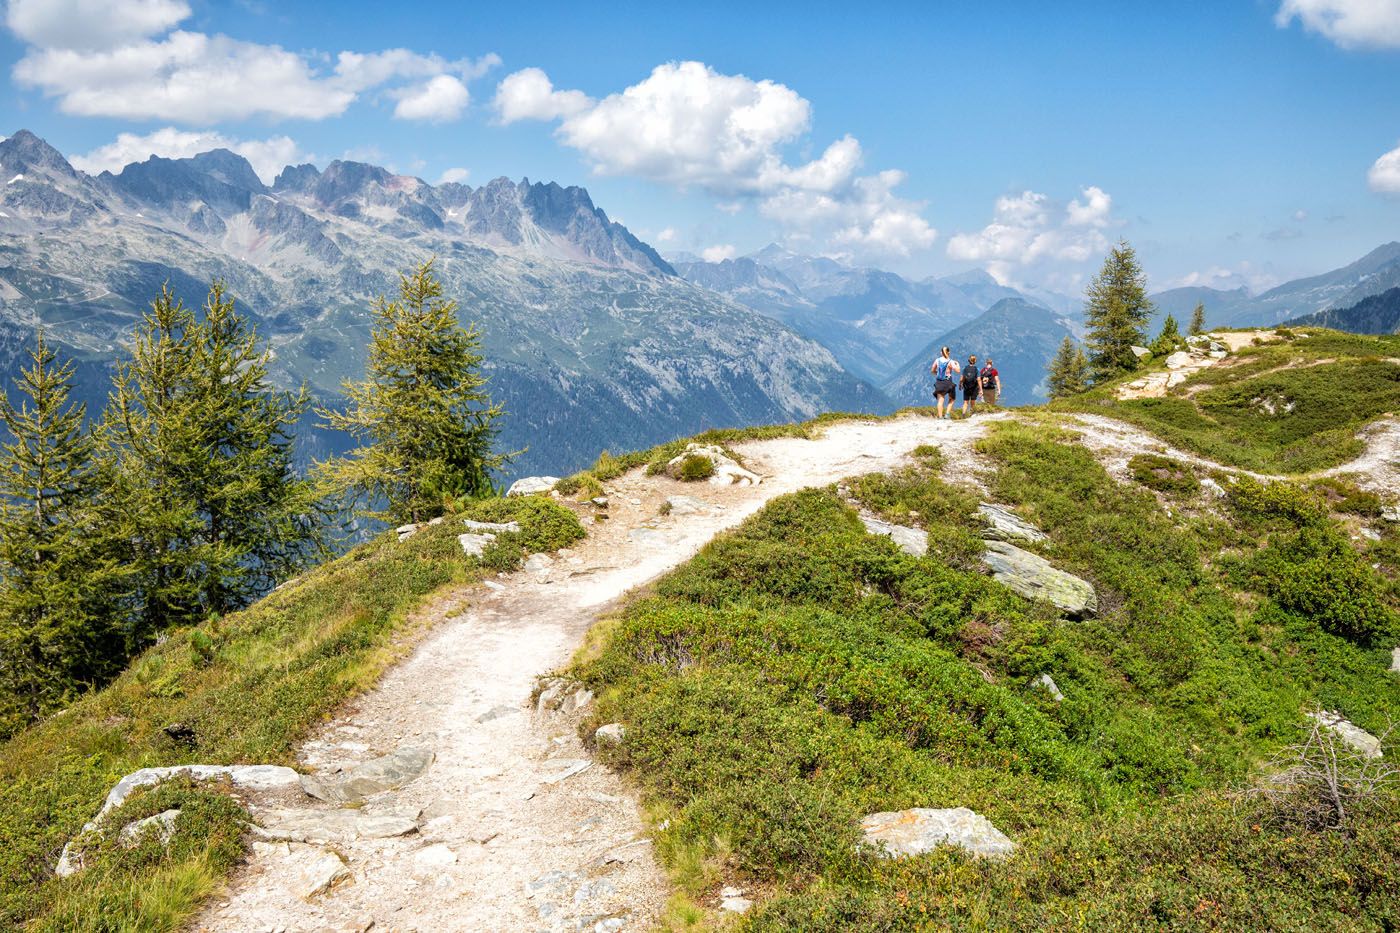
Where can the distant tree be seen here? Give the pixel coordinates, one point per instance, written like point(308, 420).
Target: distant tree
point(1116, 312)
point(422, 416)
point(1169, 339)
point(1198, 319)
point(200, 448)
point(59, 585)
point(1069, 370)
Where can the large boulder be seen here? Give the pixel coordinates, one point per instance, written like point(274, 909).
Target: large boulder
point(910, 540)
point(1035, 578)
point(1351, 734)
point(532, 485)
point(1180, 359)
point(727, 470)
point(903, 833)
point(1004, 524)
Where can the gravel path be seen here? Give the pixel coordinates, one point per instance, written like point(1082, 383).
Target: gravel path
point(514, 827)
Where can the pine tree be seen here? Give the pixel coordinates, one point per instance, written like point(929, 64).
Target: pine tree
point(59, 619)
point(422, 416)
point(1068, 370)
point(1198, 319)
point(1169, 339)
point(201, 454)
point(1116, 312)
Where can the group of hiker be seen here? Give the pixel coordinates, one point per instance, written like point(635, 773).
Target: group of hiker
point(977, 384)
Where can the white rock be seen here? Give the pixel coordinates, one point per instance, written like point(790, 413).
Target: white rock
point(737, 905)
point(492, 528)
point(1007, 524)
point(1179, 360)
point(434, 856)
point(1395, 660)
point(164, 822)
point(532, 485)
point(1391, 513)
point(1052, 688)
point(1353, 735)
point(685, 505)
point(406, 529)
point(539, 563)
point(1176, 379)
point(474, 545)
point(614, 732)
point(920, 830)
point(910, 540)
point(727, 470)
point(321, 872)
point(1141, 353)
point(1214, 489)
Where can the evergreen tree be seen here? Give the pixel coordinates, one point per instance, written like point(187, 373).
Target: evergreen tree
point(422, 416)
point(1068, 370)
point(59, 629)
point(1169, 339)
point(201, 459)
point(1116, 313)
point(1198, 319)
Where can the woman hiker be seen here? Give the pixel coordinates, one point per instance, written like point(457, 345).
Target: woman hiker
point(991, 384)
point(945, 387)
point(970, 384)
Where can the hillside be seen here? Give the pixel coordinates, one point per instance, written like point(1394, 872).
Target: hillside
point(1020, 337)
point(784, 667)
point(592, 339)
point(1377, 314)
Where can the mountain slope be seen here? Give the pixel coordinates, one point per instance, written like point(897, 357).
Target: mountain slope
point(1018, 336)
point(1377, 314)
point(592, 340)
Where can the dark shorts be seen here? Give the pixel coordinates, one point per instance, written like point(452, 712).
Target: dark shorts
point(971, 391)
point(944, 387)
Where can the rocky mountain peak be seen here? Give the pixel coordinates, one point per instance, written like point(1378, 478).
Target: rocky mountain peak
point(25, 152)
point(297, 178)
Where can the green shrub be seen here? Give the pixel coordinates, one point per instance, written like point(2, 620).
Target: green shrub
point(1164, 475)
point(696, 467)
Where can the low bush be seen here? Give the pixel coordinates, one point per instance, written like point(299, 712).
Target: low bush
point(696, 467)
point(1164, 475)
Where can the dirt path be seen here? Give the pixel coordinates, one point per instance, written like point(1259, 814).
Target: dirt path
point(515, 829)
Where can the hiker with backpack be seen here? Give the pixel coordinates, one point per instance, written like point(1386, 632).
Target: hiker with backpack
point(971, 382)
point(991, 384)
point(945, 386)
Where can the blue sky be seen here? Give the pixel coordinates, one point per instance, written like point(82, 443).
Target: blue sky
point(1231, 142)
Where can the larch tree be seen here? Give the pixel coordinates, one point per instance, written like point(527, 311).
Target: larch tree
point(1068, 373)
point(423, 418)
point(1198, 319)
point(1169, 339)
point(59, 582)
point(1116, 312)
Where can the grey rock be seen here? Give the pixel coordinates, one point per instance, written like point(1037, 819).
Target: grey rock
point(539, 563)
point(319, 873)
point(736, 904)
point(566, 768)
point(910, 540)
point(1035, 578)
point(493, 528)
point(532, 485)
point(497, 712)
point(686, 505)
point(474, 545)
point(163, 823)
point(331, 826)
point(578, 700)
point(1391, 513)
point(1179, 359)
point(614, 732)
point(1006, 524)
point(647, 536)
point(599, 502)
point(1047, 682)
point(251, 777)
point(598, 887)
point(914, 832)
point(1141, 353)
point(1213, 489)
point(1395, 660)
point(1351, 734)
point(373, 777)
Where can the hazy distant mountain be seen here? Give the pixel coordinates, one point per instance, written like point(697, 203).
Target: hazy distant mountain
point(1377, 314)
point(1019, 336)
point(868, 318)
point(593, 341)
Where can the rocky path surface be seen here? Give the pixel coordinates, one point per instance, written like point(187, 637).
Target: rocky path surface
point(510, 826)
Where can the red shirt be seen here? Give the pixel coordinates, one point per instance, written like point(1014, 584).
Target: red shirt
point(989, 373)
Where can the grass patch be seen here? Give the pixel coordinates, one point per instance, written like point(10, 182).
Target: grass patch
point(1165, 475)
point(249, 686)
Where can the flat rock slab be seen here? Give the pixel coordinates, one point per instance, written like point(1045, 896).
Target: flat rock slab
point(910, 540)
point(495, 528)
point(1035, 578)
point(317, 871)
point(1006, 524)
point(1350, 733)
point(372, 777)
point(686, 505)
point(251, 777)
point(902, 833)
point(474, 544)
point(329, 826)
point(532, 485)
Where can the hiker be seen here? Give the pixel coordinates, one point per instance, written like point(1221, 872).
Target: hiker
point(945, 387)
point(991, 384)
point(970, 385)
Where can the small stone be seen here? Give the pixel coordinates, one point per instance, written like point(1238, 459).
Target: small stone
point(568, 768)
point(589, 890)
point(580, 699)
point(437, 521)
point(496, 712)
point(1048, 683)
point(539, 563)
point(1213, 489)
point(324, 871)
point(1141, 353)
point(685, 505)
point(434, 856)
point(1390, 513)
point(614, 732)
point(599, 502)
point(1370, 534)
point(1395, 661)
point(737, 905)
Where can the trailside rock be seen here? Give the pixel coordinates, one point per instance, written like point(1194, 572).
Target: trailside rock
point(727, 470)
point(1006, 524)
point(913, 832)
point(492, 528)
point(611, 734)
point(323, 826)
point(910, 540)
point(252, 777)
point(685, 505)
point(1179, 360)
point(474, 545)
point(372, 777)
point(532, 485)
point(1350, 733)
point(321, 870)
point(163, 822)
point(1034, 577)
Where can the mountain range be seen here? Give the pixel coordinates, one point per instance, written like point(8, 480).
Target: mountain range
point(592, 339)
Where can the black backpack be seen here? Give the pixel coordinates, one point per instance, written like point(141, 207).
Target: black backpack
point(969, 378)
point(988, 381)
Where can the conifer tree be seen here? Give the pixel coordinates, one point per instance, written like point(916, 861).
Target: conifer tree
point(201, 450)
point(1169, 339)
point(1116, 313)
point(1068, 370)
point(1198, 319)
point(423, 417)
point(59, 630)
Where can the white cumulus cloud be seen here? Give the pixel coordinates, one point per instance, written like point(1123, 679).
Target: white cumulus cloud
point(1384, 175)
point(120, 59)
point(689, 126)
point(1348, 23)
point(455, 174)
point(436, 100)
point(267, 156)
point(1029, 228)
point(666, 235)
point(718, 253)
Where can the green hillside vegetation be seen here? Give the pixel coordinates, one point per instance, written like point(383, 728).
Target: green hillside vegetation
point(249, 686)
point(799, 673)
point(1291, 406)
